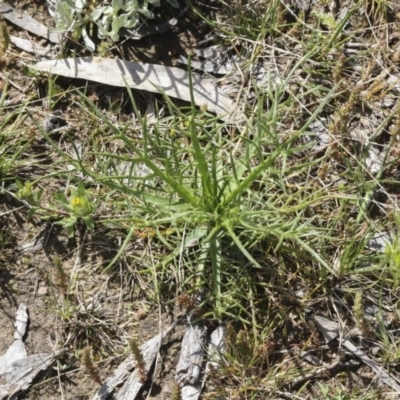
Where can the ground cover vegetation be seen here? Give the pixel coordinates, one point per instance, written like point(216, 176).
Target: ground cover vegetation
point(257, 224)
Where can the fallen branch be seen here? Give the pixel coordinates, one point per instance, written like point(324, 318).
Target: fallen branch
point(17, 369)
point(319, 372)
point(189, 368)
point(170, 81)
point(331, 330)
point(30, 46)
point(28, 23)
point(134, 382)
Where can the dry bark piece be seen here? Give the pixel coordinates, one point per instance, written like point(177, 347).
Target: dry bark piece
point(171, 81)
point(17, 370)
point(29, 46)
point(28, 23)
point(191, 392)
point(329, 329)
point(216, 347)
point(32, 246)
point(21, 373)
point(17, 350)
point(134, 383)
point(379, 241)
point(189, 368)
point(374, 160)
point(21, 319)
point(191, 358)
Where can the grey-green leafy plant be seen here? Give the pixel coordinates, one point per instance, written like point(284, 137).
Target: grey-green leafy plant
point(79, 16)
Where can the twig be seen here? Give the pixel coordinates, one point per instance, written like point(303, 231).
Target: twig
point(6, 78)
point(323, 370)
point(331, 330)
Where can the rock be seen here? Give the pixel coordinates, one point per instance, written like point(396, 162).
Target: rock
point(43, 290)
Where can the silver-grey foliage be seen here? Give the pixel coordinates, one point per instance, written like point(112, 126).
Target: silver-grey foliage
point(110, 16)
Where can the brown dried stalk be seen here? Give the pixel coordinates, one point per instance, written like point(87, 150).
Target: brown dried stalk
point(4, 39)
point(90, 367)
point(140, 364)
point(176, 392)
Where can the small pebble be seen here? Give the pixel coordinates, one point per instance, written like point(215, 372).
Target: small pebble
point(43, 290)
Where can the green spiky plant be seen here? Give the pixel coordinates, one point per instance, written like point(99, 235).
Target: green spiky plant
point(199, 181)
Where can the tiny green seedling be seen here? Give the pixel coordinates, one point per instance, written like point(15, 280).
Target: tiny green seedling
point(78, 207)
point(31, 196)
